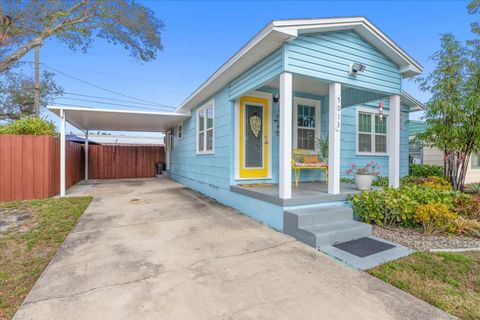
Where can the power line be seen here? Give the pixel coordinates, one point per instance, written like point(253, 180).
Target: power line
point(104, 73)
point(111, 99)
point(107, 103)
point(102, 88)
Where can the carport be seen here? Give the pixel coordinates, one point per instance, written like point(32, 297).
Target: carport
point(88, 119)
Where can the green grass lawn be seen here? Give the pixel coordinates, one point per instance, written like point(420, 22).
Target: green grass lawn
point(449, 281)
point(36, 229)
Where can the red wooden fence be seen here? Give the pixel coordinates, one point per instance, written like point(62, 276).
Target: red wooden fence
point(119, 162)
point(30, 166)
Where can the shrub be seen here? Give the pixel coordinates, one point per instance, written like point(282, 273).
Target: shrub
point(31, 126)
point(347, 180)
point(435, 217)
point(438, 183)
point(425, 170)
point(397, 206)
point(467, 205)
point(473, 188)
point(380, 181)
point(466, 227)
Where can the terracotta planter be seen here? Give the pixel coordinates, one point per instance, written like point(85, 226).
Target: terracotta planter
point(364, 181)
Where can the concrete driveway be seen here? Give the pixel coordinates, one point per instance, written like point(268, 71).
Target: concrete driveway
point(152, 249)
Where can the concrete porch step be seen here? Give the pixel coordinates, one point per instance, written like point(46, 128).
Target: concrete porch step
point(316, 216)
point(322, 226)
point(332, 233)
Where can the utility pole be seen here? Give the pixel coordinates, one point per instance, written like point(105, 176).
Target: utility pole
point(37, 82)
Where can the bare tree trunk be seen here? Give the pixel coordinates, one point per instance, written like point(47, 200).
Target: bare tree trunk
point(463, 172)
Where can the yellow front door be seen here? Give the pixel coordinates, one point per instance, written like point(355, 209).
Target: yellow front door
point(254, 137)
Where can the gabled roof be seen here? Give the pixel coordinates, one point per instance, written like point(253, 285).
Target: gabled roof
point(277, 32)
point(412, 103)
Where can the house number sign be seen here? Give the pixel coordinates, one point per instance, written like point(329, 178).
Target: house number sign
point(339, 116)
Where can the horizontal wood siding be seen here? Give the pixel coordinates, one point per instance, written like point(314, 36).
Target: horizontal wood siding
point(30, 166)
point(121, 162)
point(328, 56)
point(258, 75)
point(208, 169)
point(348, 141)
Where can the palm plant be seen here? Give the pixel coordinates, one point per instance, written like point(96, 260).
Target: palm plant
point(322, 145)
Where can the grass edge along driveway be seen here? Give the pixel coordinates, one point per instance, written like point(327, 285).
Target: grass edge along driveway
point(39, 229)
point(449, 281)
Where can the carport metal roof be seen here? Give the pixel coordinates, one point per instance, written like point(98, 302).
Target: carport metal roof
point(119, 120)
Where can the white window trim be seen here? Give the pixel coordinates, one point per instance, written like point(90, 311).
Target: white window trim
point(318, 110)
point(259, 94)
point(180, 131)
point(472, 167)
point(207, 105)
point(372, 112)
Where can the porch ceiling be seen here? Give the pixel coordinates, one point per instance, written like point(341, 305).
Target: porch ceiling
point(350, 96)
point(305, 85)
point(316, 87)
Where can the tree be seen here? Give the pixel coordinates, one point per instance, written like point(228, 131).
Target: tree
point(452, 114)
point(17, 94)
point(25, 25)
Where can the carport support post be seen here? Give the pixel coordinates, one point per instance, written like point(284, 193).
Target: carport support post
point(86, 155)
point(62, 153)
point(285, 179)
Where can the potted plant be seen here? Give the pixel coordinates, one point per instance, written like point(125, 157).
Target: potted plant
point(364, 175)
point(322, 145)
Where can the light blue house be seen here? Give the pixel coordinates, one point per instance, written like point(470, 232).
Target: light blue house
point(294, 81)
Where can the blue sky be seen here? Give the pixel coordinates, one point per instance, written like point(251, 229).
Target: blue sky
point(200, 36)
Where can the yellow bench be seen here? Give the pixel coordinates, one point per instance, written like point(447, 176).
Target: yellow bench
point(301, 160)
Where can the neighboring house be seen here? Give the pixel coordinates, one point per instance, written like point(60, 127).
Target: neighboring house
point(423, 154)
point(74, 138)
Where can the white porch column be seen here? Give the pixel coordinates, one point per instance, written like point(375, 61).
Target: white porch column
point(394, 142)
point(285, 156)
point(86, 155)
point(62, 153)
point(167, 150)
point(334, 125)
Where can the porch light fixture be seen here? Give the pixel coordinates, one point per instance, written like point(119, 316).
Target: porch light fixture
point(356, 68)
point(276, 97)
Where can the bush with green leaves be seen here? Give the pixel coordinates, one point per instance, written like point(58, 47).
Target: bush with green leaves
point(31, 126)
point(425, 170)
point(397, 206)
point(432, 182)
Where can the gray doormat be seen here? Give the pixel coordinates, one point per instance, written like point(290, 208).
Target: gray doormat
point(363, 247)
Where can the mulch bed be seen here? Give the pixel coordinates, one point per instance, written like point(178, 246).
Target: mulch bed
point(423, 242)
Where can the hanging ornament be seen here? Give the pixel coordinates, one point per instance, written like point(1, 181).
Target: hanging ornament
point(380, 109)
point(255, 125)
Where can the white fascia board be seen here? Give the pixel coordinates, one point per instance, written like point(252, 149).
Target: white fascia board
point(267, 34)
point(412, 103)
point(57, 108)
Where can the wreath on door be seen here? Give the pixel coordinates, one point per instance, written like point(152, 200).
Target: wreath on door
point(255, 124)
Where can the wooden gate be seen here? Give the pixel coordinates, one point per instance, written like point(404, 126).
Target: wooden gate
point(119, 162)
